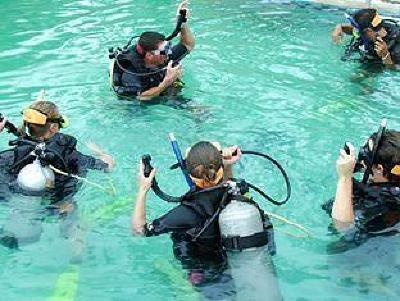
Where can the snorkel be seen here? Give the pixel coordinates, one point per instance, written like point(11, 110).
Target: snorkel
point(181, 161)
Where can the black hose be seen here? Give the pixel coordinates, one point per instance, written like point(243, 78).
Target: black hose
point(181, 19)
point(284, 174)
point(166, 197)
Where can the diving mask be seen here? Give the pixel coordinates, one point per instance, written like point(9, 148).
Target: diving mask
point(35, 116)
point(164, 49)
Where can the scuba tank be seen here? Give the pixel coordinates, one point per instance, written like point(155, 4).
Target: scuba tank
point(35, 178)
point(36, 175)
point(248, 239)
point(240, 225)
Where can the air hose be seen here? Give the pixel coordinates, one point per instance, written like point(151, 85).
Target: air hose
point(169, 198)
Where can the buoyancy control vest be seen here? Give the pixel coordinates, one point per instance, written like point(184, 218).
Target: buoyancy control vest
point(128, 74)
point(57, 151)
point(235, 219)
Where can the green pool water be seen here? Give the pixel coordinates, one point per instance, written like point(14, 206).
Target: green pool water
point(264, 75)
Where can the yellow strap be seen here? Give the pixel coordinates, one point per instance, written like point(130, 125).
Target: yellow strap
point(376, 21)
point(204, 183)
point(396, 170)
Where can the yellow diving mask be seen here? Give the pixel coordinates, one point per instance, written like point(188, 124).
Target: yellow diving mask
point(34, 116)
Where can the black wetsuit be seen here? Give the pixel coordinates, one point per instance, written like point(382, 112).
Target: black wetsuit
point(24, 223)
point(377, 212)
point(134, 77)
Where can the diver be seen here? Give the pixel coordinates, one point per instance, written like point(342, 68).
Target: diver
point(39, 174)
point(151, 67)
point(375, 39)
point(214, 222)
point(369, 206)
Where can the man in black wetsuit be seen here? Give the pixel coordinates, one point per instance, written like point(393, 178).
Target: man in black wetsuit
point(147, 69)
point(376, 39)
point(43, 122)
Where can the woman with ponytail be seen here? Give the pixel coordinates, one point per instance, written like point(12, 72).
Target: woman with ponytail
point(198, 248)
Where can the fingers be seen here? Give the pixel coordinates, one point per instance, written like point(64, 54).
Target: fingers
point(177, 67)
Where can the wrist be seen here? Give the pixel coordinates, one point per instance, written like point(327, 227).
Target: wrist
point(143, 191)
point(345, 177)
point(164, 84)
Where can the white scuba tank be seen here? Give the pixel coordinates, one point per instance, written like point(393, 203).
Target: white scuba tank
point(34, 177)
point(240, 219)
point(252, 267)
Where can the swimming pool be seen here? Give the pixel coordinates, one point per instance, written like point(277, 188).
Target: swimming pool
point(264, 75)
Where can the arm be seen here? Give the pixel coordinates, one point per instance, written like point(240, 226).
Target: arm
point(138, 220)
point(154, 92)
point(187, 37)
point(230, 156)
point(105, 161)
point(342, 210)
point(173, 73)
point(339, 30)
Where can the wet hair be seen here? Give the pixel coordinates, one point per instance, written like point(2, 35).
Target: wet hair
point(204, 160)
point(364, 17)
point(149, 40)
point(50, 110)
point(388, 153)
